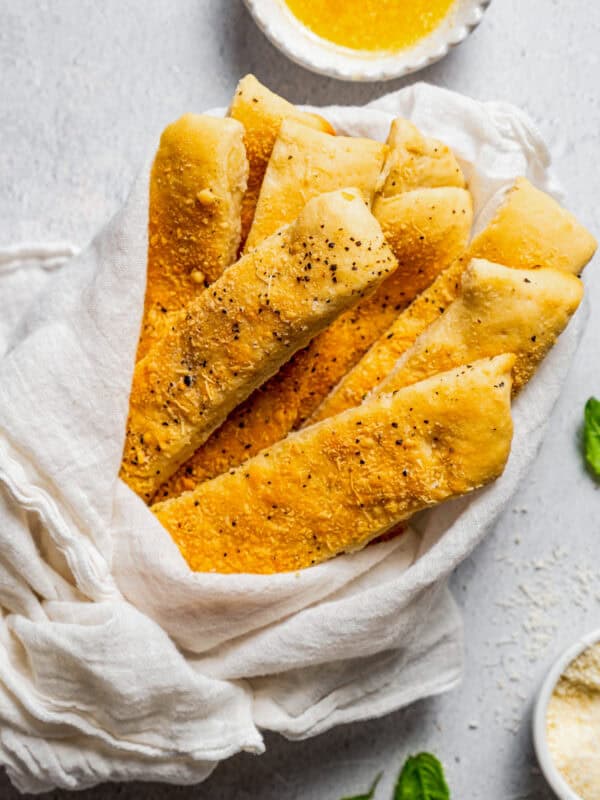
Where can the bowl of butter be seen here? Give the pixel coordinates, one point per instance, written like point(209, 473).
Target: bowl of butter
point(366, 40)
point(566, 722)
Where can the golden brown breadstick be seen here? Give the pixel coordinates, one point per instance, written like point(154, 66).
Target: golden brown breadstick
point(499, 310)
point(196, 186)
point(415, 162)
point(305, 163)
point(261, 112)
point(531, 230)
point(236, 334)
point(337, 485)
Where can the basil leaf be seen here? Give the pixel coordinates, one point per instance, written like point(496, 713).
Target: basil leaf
point(370, 794)
point(591, 436)
point(422, 778)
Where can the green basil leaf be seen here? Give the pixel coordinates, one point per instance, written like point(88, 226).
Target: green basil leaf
point(422, 778)
point(591, 436)
point(370, 794)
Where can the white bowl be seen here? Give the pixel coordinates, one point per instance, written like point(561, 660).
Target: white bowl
point(540, 741)
point(306, 48)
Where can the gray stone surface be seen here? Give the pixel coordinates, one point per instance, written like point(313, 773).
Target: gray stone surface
point(85, 87)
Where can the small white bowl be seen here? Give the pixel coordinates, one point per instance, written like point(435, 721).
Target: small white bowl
point(540, 740)
point(304, 47)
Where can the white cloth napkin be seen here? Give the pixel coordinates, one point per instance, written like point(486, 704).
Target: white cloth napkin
point(116, 661)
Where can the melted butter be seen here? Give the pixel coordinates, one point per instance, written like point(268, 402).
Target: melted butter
point(372, 25)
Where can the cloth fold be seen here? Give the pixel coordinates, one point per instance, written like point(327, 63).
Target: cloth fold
point(116, 661)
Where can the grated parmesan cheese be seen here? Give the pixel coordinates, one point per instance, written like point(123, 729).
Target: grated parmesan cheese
point(573, 724)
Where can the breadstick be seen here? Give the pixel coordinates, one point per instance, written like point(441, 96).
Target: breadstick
point(499, 310)
point(196, 186)
point(415, 162)
point(337, 485)
point(261, 112)
point(236, 334)
point(305, 163)
point(531, 230)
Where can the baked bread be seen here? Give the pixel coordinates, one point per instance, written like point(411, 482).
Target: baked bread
point(431, 231)
point(337, 485)
point(416, 162)
point(531, 230)
point(306, 162)
point(236, 334)
point(196, 186)
point(518, 235)
point(499, 310)
point(261, 112)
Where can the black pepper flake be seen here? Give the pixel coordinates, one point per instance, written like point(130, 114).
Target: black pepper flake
point(187, 380)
